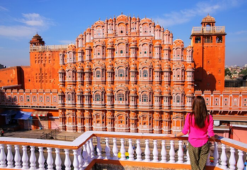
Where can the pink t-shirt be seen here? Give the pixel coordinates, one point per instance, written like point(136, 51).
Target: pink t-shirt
point(198, 136)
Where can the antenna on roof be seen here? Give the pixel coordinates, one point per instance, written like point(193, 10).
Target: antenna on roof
point(121, 13)
point(99, 18)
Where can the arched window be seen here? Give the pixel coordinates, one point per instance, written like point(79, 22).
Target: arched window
point(178, 99)
point(97, 97)
point(97, 73)
point(120, 97)
point(145, 73)
point(144, 98)
point(69, 97)
point(120, 73)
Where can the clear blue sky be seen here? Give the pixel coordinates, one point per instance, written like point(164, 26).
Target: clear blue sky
point(61, 21)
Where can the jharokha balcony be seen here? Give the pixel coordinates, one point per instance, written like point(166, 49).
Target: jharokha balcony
point(109, 150)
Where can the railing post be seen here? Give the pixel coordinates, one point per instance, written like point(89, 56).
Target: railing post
point(75, 162)
point(155, 151)
point(85, 155)
point(232, 160)
point(80, 160)
point(115, 149)
point(9, 157)
point(67, 161)
point(91, 148)
point(187, 155)
point(147, 151)
point(216, 154)
point(2, 156)
point(122, 150)
point(58, 160)
point(17, 157)
point(49, 159)
point(32, 158)
point(107, 149)
point(208, 158)
point(131, 151)
point(240, 163)
point(99, 148)
point(172, 152)
point(24, 158)
point(163, 151)
point(223, 157)
point(180, 152)
point(138, 150)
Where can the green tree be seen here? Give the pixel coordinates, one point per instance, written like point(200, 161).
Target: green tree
point(228, 72)
point(244, 72)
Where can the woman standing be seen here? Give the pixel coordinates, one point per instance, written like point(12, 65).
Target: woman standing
point(199, 125)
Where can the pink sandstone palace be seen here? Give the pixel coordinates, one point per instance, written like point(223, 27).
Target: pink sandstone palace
point(124, 74)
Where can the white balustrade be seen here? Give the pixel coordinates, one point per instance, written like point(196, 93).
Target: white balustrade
point(208, 158)
point(75, 162)
point(67, 161)
point(155, 151)
point(172, 152)
point(9, 157)
point(88, 151)
point(131, 151)
point(107, 148)
point(138, 150)
point(2, 156)
point(41, 159)
point(115, 149)
point(58, 161)
point(180, 152)
point(18, 157)
point(240, 163)
point(24, 158)
point(91, 148)
point(163, 151)
point(99, 148)
point(223, 157)
point(122, 150)
point(85, 155)
point(80, 160)
point(32, 158)
point(49, 159)
point(232, 160)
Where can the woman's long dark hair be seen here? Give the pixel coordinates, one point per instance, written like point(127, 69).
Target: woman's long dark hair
point(199, 110)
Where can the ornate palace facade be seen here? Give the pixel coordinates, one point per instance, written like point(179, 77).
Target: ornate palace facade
point(122, 74)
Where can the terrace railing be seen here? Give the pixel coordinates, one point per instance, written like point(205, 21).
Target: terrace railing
point(146, 150)
point(214, 29)
point(48, 48)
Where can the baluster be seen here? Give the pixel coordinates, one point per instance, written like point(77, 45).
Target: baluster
point(24, 158)
point(67, 161)
point(80, 160)
point(180, 152)
point(85, 155)
point(49, 159)
point(208, 158)
point(88, 151)
point(155, 151)
point(10, 157)
point(99, 148)
point(223, 157)
point(32, 159)
point(75, 162)
point(163, 151)
point(232, 160)
point(216, 154)
point(41, 159)
point(240, 163)
point(138, 150)
point(131, 151)
point(17, 157)
point(115, 149)
point(187, 154)
point(58, 160)
point(122, 150)
point(172, 152)
point(107, 149)
point(147, 151)
point(2, 156)
point(91, 148)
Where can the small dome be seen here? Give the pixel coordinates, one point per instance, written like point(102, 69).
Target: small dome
point(88, 30)
point(157, 44)
point(146, 20)
point(110, 20)
point(122, 17)
point(157, 26)
point(167, 31)
point(80, 36)
point(71, 47)
point(99, 22)
point(61, 70)
point(167, 67)
point(208, 18)
point(178, 42)
point(133, 19)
